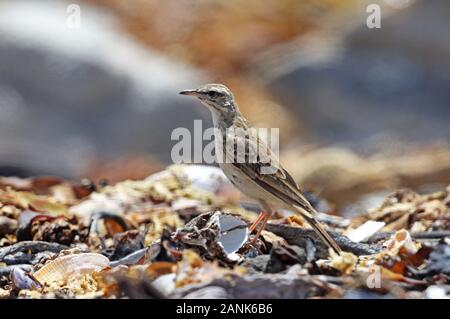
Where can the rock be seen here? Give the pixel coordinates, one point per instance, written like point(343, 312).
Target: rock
point(257, 264)
point(289, 285)
point(439, 261)
point(282, 257)
point(208, 293)
point(215, 234)
point(71, 95)
point(7, 225)
point(365, 294)
point(375, 87)
point(307, 238)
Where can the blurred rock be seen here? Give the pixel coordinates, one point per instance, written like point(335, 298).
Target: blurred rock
point(7, 225)
point(71, 95)
point(377, 87)
point(346, 178)
point(289, 285)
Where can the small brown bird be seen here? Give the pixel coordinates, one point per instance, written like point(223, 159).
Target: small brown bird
point(274, 189)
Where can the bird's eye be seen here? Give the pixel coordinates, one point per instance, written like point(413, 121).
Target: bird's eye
point(213, 94)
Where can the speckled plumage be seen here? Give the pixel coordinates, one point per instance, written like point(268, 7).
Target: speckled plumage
point(277, 189)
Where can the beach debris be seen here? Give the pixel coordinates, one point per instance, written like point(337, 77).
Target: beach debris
point(293, 284)
point(165, 283)
point(127, 243)
point(31, 201)
point(69, 267)
point(43, 227)
point(345, 262)
point(365, 231)
point(216, 234)
point(436, 292)
point(6, 270)
point(7, 225)
point(302, 237)
point(401, 243)
point(439, 261)
point(22, 280)
point(179, 234)
point(284, 256)
point(30, 248)
point(206, 178)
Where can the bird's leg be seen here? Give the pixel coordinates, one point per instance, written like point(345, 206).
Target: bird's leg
point(253, 226)
point(268, 213)
point(265, 220)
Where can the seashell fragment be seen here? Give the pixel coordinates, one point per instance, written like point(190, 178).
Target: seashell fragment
point(165, 283)
point(204, 177)
point(21, 279)
point(217, 233)
point(401, 242)
point(233, 234)
point(70, 266)
point(364, 231)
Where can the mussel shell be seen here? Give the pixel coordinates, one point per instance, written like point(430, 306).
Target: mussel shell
point(233, 233)
point(65, 267)
point(21, 280)
point(219, 233)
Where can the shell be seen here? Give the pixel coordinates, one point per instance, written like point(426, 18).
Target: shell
point(64, 267)
point(204, 177)
point(233, 234)
point(165, 283)
point(21, 279)
point(219, 233)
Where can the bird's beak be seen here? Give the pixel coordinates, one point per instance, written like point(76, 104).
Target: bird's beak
point(190, 92)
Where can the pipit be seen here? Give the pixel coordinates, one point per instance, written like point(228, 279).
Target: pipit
point(273, 187)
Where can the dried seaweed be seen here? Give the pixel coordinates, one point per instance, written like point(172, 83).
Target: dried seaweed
point(175, 235)
point(32, 247)
point(270, 286)
point(439, 261)
point(300, 237)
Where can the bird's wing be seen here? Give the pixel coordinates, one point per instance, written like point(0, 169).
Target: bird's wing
point(267, 171)
point(277, 181)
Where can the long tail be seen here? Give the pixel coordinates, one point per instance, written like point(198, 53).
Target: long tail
point(318, 228)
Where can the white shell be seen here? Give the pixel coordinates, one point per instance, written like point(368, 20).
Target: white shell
point(364, 231)
point(67, 266)
point(165, 283)
point(208, 178)
point(233, 233)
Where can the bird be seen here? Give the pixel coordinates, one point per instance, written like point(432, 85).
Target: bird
point(251, 165)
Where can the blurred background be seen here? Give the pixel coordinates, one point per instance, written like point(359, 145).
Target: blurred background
point(361, 111)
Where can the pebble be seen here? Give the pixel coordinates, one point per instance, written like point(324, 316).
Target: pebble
point(7, 225)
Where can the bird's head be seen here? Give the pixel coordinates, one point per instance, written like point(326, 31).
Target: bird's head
point(217, 97)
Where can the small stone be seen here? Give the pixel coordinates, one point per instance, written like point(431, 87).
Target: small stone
point(7, 225)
